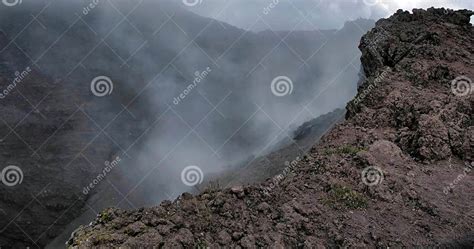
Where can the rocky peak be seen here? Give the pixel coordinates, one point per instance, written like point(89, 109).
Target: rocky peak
point(408, 33)
point(422, 52)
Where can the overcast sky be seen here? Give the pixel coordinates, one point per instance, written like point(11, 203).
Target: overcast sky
point(308, 14)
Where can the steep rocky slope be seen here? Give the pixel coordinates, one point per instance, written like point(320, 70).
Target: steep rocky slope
point(406, 124)
point(42, 131)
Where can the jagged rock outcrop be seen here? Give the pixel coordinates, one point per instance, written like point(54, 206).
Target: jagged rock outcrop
point(382, 178)
point(432, 122)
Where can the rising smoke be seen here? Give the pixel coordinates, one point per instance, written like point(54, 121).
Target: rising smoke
point(153, 50)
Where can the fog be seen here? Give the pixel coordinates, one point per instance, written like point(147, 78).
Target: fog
point(153, 57)
point(308, 15)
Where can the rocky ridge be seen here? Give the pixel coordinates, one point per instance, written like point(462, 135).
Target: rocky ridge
point(406, 124)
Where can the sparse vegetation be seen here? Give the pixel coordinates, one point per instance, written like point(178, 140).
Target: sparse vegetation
point(340, 195)
point(105, 216)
